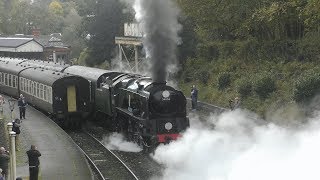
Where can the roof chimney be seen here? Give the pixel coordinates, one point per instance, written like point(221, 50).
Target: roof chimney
point(36, 32)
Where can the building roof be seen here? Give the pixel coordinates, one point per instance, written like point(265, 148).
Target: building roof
point(13, 42)
point(53, 40)
point(19, 44)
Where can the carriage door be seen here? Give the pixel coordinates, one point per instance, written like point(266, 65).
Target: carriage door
point(72, 100)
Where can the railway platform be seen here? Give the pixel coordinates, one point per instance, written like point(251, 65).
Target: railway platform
point(61, 158)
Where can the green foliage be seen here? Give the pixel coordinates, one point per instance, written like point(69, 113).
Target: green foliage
point(56, 8)
point(84, 55)
point(203, 76)
point(224, 80)
point(106, 25)
point(244, 87)
point(307, 86)
point(264, 85)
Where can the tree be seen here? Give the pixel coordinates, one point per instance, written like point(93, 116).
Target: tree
point(71, 34)
point(56, 8)
point(107, 24)
point(2, 16)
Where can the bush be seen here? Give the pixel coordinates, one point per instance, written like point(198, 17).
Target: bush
point(203, 76)
point(224, 80)
point(244, 87)
point(264, 85)
point(306, 86)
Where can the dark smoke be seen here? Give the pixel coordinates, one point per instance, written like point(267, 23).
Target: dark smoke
point(159, 22)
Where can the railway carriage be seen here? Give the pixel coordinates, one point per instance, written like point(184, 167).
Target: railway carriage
point(66, 97)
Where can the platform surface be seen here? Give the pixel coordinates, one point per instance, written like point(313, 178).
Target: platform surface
point(61, 159)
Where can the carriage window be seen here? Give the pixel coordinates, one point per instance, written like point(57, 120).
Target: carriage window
point(20, 82)
point(45, 93)
point(50, 94)
point(41, 91)
point(34, 88)
point(14, 81)
point(38, 90)
point(10, 80)
point(6, 79)
point(31, 91)
point(3, 77)
point(25, 85)
point(0, 78)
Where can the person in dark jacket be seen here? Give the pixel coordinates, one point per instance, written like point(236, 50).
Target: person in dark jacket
point(33, 158)
point(16, 129)
point(22, 106)
point(1, 177)
point(4, 161)
point(194, 97)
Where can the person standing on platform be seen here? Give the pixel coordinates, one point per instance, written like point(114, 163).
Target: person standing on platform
point(33, 158)
point(4, 161)
point(16, 129)
point(22, 106)
point(194, 97)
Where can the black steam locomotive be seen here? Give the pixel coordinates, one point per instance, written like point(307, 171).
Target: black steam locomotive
point(65, 97)
point(146, 112)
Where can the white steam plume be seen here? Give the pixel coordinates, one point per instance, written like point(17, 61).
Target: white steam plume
point(116, 141)
point(242, 149)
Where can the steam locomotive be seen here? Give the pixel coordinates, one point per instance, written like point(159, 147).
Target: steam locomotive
point(146, 112)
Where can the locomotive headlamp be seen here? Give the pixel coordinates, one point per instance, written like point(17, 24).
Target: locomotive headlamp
point(166, 94)
point(168, 126)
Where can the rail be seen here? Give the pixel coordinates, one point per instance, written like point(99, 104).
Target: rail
point(108, 165)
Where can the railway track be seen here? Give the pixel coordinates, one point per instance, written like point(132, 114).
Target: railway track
point(140, 163)
point(106, 164)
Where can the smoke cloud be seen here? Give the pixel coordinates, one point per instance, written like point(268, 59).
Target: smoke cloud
point(116, 141)
point(159, 22)
point(240, 148)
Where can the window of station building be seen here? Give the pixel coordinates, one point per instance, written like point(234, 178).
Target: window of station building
point(0, 78)
point(3, 77)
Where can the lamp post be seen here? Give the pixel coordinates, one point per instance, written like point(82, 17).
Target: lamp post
point(1, 107)
point(11, 102)
point(13, 154)
point(12, 151)
point(9, 128)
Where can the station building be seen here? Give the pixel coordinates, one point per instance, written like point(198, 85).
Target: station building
point(45, 47)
